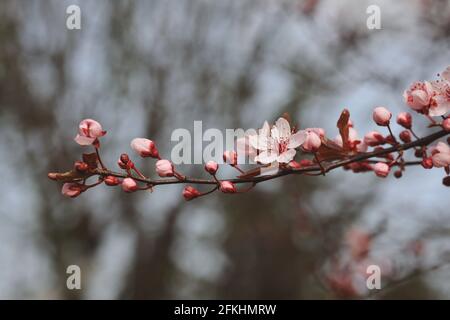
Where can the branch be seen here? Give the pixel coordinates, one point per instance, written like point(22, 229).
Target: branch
point(310, 169)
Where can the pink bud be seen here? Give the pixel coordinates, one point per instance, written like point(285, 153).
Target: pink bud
point(294, 165)
point(124, 162)
point(72, 189)
point(381, 169)
point(306, 163)
point(88, 132)
point(230, 157)
point(381, 116)
point(373, 138)
point(145, 147)
point(405, 120)
point(446, 124)
point(312, 141)
point(129, 185)
point(227, 187)
point(164, 168)
point(81, 166)
point(111, 181)
point(211, 167)
point(427, 163)
point(405, 136)
point(190, 193)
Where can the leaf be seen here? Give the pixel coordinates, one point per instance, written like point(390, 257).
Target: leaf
point(330, 151)
point(343, 126)
point(69, 176)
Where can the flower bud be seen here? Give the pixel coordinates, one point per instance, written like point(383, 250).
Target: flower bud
point(227, 187)
point(190, 193)
point(312, 141)
point(294, 165)
point(111, 181)
point(230, 157)
point(373, 138)
point(398, 174)
point(405, 136)
point(418, 153)
point(446, 124)
point(81, 166)
point(381, 169)
point(389, 139)
point(145, 147)
point(164, 168)
point(446, 181)
point(211, 167)
point(427, 163)
point(88, 132)
point(129, 185)
point(124, 162)
point(72, 189)
point(405, 120)
point(381, 116)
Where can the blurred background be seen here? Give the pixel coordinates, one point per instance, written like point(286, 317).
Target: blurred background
point(145, 68)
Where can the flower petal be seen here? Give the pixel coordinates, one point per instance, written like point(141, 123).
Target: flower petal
point(441, 108)
point(266, 157)
point(286, 156)
point(283, 129)
point(84, 141)
point(297, 139)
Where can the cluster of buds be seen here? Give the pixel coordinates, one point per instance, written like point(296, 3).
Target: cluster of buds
point(275, 149)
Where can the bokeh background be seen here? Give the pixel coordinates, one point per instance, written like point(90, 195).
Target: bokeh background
point(145, 68)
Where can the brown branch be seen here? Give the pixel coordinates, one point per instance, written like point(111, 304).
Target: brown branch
point(315, 168)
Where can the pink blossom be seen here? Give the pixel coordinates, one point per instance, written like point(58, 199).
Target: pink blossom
point(190, 193)
point(230, 157)
point(440, 102)
point(227, 187)
point(381, 116)
point(211, 167)
point(88, 132)
point(164, 168)
point(72, 189)
point(129, 185)
point(440, 154)
point(278, 145)
point(373, 138)
point(418, 96)
point(312, 141)
point(145, 147)
point(243, 145)
point(381, 169)
point(405, 120)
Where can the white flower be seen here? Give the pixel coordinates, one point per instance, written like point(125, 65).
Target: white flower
point(276, 144)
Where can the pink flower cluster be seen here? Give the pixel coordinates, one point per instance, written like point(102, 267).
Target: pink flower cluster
point(430, 97)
